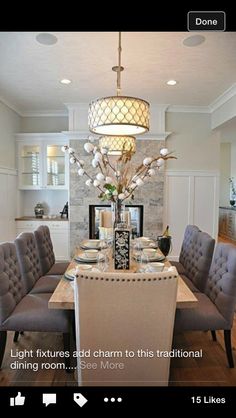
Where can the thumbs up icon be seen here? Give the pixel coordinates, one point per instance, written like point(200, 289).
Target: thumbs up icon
point(18, 400)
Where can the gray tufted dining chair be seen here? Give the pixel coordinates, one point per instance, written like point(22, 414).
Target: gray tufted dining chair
point(30, 268)
point(195, 258)
point(216, 306)
point(23, 311)
point(46, 253)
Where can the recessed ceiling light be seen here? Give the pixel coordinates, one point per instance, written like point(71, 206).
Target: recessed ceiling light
point(194, 40)
point(46, 39)
point(65, 81)
point(171, 82)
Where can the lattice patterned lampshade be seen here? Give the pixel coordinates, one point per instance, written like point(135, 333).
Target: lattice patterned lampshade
point(118, 144)
point(118, 115)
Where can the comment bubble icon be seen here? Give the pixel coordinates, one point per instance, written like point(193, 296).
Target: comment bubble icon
point(49, 398)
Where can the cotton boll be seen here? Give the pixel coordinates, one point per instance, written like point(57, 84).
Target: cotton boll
point(109, 180)
point(94, 163)
point(104, 151)
point(88, 147)
point(147, 161)
point(88, 182)
point(160, 162)
point(81, 171)
point(121, 196)
point(72, 160)
point(100, 177)
point(139, 182)
point(117, 173)
point(71, 150)
point(96, 183)
point(64, 148)
point(164, 152)
point(115, 193)
point(151, 172)
point(98, 157)
point(95, 149)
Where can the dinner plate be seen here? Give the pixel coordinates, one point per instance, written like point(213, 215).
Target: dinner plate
point(154, 258)
point(70, 274)
point(81, 258)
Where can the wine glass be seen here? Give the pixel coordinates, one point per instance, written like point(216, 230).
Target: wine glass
point(102, 261)
point(144, 260)
point(138, 249)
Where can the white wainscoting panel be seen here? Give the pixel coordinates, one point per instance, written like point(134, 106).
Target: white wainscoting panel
point(8, 200)
point(191, 197)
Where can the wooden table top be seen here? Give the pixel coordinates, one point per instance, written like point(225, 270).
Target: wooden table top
point(63, 296)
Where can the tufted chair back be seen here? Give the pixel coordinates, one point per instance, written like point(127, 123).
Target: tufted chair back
point(117, 311)
point(28, 258)
point(45, 248)
point(11, 289)
point(196, 255)
point(221, 284)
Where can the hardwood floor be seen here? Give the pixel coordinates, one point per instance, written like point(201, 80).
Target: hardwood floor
point(210, 370)
point(27, 376)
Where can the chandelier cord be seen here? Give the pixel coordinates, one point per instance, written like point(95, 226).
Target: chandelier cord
point(118, 89)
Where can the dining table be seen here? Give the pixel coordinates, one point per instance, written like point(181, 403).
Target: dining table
point(63, 295)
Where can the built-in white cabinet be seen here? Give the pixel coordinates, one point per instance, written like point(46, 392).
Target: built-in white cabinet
point(41, 162)
point(59, 231)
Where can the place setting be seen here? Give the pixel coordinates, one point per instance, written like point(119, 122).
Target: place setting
point(89, 256)
point(148, 255)
point(94, 244)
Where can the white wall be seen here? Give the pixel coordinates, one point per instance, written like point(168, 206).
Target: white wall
point(9, 125)
point(36, 124)
point(195, 144)
point(192, 181)
point(225, 173)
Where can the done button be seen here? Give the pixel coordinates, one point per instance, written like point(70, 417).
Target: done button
point(206, 21)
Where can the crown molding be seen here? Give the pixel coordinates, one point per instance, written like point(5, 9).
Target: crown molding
point(223, 98)
point(11, 106)
point(45, 113)
point(188, 109)
point(41, 136)
point(81, 105)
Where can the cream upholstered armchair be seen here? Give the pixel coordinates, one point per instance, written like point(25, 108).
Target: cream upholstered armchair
point(121, 313)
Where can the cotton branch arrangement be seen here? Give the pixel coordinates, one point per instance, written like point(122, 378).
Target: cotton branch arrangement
point(112, 181)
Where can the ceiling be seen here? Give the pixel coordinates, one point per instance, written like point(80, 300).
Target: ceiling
point(30, 72)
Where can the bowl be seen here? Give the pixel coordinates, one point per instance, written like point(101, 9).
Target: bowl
point(91, 254)
point(156, 267)
point(150, 252)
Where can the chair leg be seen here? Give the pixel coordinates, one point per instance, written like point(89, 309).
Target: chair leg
point(66, 343)
point(16, 335)
point(228, 347)
point(213, 334)
point(3, 340)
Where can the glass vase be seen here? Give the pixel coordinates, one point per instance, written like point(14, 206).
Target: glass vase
point(118, 211)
